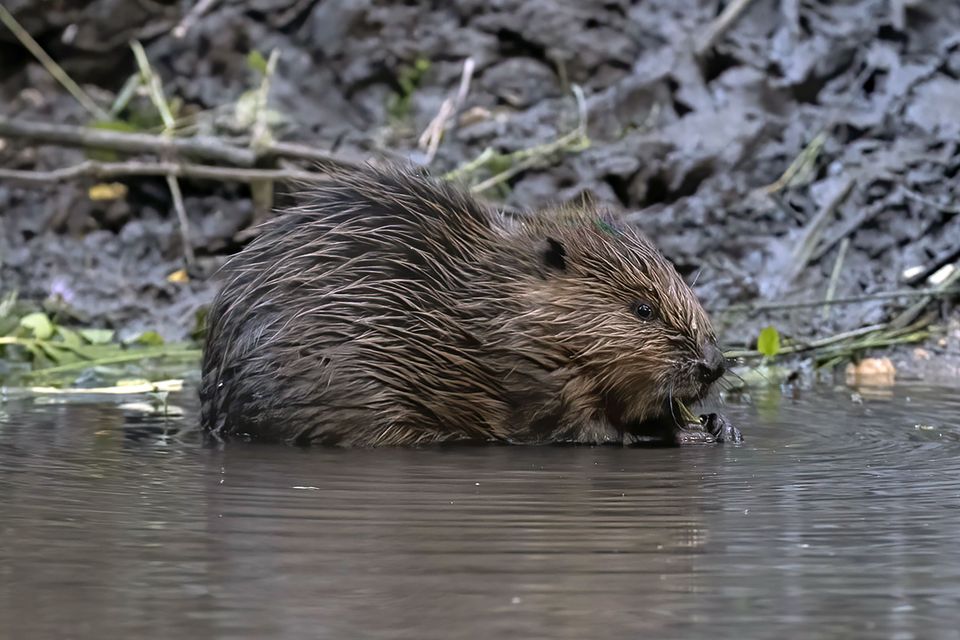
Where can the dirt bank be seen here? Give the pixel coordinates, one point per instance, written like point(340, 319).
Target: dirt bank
point(813, 142)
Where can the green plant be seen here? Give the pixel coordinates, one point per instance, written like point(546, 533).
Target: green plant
point(408, 79)
point(768, 342)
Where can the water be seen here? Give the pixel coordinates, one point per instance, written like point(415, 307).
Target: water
point(835, 519)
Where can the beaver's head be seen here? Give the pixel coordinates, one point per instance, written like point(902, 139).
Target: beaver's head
point(630, 327)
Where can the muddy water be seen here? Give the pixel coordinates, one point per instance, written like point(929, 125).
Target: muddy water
point(837, 516)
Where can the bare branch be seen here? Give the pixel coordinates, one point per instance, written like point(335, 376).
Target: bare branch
point(297, 151)
point(783, 305)
point(51, 65)
point(197, 147)
point(196, 11)
point(104, 170)
point(430, 138)
point(207, 148)
point(730, 14)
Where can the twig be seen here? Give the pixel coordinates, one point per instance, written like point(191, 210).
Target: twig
point(154, 86)
point(433, 134)
point(159, 101)
point(836, 353)
point(198, 147)
point(51, 65)
point(196, 11)
point(471, 166)
point(181, 210)
point(809, 154)
point(881, 295)
point(126, 93)
point(519, 167)
point(185, 354)
point(721, 25)
point(528, 161)
point(815, 344)
point(914, 310)
point(207, 148)
point(834, 277)
point(118, 390)
point(261, 136)
point(262, 193)
point(297, 151)
point(101, 170)
point(814, 229)
point(805, 160)
point(913, 195)
point(847, 228)
point(527, 158)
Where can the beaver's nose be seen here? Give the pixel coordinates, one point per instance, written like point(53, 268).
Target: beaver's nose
point(713, 365)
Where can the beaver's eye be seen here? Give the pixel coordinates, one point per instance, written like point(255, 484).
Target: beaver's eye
point(643, 310)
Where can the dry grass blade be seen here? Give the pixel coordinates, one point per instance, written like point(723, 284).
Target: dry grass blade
point(51, 65)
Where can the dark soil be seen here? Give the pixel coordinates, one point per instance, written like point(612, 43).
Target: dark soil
point(683, 145)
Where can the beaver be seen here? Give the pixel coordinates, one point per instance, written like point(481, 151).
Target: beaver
point(395, 309)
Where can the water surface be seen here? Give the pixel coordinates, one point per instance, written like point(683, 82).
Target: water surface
point(837, 518)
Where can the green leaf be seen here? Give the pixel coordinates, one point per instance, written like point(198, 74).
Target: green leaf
point(245, 109)
point(39, 324)
point(7, 303)
point(148, 338)
point(768, 343)
point(57, 355)
point(257, 62)
point(97, 351)
point(97, 336)
point(39, 359)
point(70, 337)
point(420, 66)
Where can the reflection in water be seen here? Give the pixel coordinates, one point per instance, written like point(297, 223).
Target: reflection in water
point(835, 515)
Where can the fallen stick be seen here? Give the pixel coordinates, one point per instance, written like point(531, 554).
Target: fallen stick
point(814, 344)
point(51, 65)
point(430, 138)
point(197, 147)
point(195, 13)
point(520, 161)
point(721, 25)
point(880, 295)
point(810, 238)
point(834, 278)
point(206, 148)
point(159, 386)
point(155, 87)
point(103, 170)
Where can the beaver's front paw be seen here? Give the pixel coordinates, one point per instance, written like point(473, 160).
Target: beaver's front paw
point(712, 427)
point(692, 434)
point(720, 428)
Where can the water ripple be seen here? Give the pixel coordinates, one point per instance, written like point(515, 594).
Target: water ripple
point(838, 513)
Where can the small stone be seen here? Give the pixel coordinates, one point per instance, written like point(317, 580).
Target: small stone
point(474, 115)
point(871, 372)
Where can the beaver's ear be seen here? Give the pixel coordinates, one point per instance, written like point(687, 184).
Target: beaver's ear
point(554, 255)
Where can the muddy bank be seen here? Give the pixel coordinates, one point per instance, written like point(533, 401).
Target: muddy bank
point(812, 139)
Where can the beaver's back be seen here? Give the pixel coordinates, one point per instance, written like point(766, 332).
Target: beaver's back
point(343, 321)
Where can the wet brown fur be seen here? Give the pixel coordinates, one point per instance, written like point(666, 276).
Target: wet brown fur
point(394, 309)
